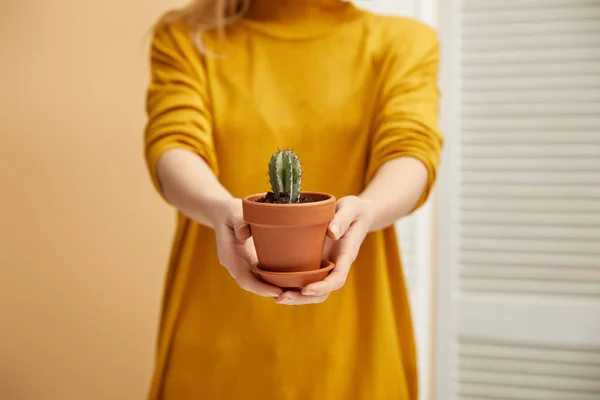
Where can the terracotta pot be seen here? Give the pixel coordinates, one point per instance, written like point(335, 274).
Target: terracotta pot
point(289, 237)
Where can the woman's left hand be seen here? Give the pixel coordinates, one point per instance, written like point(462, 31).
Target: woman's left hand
point(346, 233)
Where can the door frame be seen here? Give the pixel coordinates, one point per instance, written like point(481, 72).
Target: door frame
point(447, 221)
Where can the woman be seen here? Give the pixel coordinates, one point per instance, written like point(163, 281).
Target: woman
point(355, 95)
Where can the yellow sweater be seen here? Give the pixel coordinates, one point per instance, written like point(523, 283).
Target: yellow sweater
point(347, 90)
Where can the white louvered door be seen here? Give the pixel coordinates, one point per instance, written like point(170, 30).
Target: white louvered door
point(519, 216)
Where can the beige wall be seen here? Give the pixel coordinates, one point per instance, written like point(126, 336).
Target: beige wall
point(83, 237)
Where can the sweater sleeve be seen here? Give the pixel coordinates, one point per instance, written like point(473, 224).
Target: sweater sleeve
point(177, 101)
point(406, 119)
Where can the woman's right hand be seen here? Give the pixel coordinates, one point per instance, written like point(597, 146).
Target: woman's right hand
point(236, 249)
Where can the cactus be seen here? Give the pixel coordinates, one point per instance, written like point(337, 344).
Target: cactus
point(285, 175)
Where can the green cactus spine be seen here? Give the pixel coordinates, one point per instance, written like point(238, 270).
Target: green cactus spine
point(285, 175)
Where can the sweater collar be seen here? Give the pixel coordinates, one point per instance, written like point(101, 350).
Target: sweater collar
point(299, 18)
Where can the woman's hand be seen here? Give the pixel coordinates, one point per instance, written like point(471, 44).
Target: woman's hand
point(347, 231)
point(236, 249)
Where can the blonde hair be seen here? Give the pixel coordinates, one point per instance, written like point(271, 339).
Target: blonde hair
point(204, 15)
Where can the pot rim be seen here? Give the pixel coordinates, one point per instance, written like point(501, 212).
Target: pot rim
point(251, 200)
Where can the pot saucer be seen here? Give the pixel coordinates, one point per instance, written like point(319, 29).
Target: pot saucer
point(294, 280)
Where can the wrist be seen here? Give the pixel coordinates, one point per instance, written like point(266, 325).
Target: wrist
point(212, 209)
point(221, 210)
point(369, 211)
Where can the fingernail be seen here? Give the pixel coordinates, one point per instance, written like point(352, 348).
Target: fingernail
point(335, 230)
point(309, 292)
point(285, 301)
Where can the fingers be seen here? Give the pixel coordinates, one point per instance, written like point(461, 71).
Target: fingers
point(334, 281)
point(248, 254)
point(251, 284)
point(327, 248)
point(349, 247)
point(297, 299)
point(347, 211)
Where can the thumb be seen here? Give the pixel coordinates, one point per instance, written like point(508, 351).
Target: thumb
point(242, 231)
point(345, 215)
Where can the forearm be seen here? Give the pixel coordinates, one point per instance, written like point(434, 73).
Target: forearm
point(395, 191)
point(189, 185)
